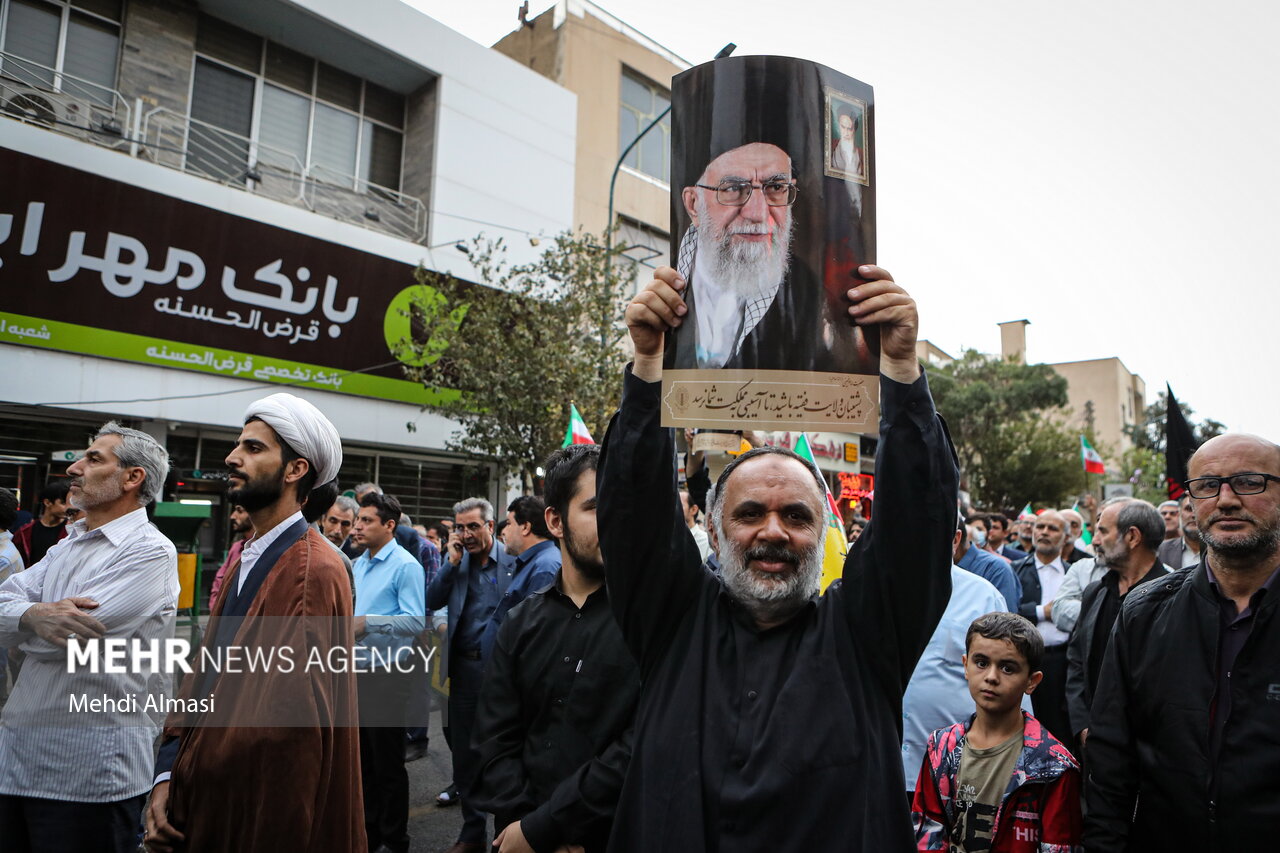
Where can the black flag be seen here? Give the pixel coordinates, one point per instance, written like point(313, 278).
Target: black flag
point(1179, 444)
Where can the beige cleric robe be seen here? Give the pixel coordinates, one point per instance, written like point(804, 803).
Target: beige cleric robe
point(289, 782)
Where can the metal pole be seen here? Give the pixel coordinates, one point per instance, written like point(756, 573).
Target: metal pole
point(613, 180)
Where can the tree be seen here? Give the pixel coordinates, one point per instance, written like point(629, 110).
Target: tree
point(1145, 470)
point(1148, 433)
point(521, 344)
point(1006, 420)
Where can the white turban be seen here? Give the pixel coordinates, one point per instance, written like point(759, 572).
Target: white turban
point(301, 426)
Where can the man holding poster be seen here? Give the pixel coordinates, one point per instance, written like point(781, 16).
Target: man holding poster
point(770, 718)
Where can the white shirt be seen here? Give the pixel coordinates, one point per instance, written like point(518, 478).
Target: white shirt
point(723, 318)
point(47, 749)
point(10, 558)
point(254, 547)
point(1051, 575)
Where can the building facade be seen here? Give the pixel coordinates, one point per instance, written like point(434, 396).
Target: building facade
point(622, 79)
point(206, 202)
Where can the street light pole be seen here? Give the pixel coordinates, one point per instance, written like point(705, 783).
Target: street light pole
point(613, 180)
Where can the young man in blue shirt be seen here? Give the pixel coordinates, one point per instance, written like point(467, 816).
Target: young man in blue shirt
point(390, 609)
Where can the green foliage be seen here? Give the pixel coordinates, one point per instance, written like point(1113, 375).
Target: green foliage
point(534, 338)
point(1145, 469)
point(1148, 433)
point(1007, 422)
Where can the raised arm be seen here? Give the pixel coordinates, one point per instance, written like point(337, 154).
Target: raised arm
point(897, 577)
point(652, 565)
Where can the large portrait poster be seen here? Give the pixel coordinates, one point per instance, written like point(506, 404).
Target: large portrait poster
point(772, 212)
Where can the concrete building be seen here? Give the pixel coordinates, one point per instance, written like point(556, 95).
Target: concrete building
point(1103, 396)
point(205, 202)
point(622, 79)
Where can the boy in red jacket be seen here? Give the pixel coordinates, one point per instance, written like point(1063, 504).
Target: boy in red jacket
point(1000, 782)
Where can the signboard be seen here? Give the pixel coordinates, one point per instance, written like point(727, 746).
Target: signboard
point(851, 452)
point(772, 212)
point(66, 456)
point(98, 267)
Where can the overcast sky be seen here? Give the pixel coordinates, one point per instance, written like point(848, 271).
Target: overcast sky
point(1108, 171)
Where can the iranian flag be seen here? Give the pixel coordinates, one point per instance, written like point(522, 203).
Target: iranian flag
point(576, 432)
point(1092, 461)
point(1027, 512)
point(837, 545)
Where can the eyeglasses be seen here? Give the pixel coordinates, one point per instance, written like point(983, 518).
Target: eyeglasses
point(738, 193)
point(473, 527)
point(1250, 483)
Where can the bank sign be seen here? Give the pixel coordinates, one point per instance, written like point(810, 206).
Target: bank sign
point(93, 266)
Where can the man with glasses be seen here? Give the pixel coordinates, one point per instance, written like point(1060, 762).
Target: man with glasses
point(471, 583)
point(736, 253)
point(1183, 744)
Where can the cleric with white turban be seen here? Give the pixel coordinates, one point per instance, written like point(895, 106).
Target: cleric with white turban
point(301, 426)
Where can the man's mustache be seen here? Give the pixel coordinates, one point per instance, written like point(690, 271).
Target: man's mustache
point(772, 554)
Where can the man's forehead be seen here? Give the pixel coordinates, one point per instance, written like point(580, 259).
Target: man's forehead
point(259, 431)
point(104, 445)
point(755, 160)
point(341, 514)
point(470, 515)
point(770, 471)
point(1233, 454)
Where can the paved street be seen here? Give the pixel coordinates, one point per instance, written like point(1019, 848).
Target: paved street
point(432, 828)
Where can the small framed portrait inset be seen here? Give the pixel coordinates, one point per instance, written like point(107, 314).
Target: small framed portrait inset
point(846, 151)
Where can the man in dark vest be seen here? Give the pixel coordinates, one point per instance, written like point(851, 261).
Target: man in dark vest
point(275, 764)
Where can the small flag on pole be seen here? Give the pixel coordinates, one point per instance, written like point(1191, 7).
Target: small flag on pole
point(576, 432)
point(1027, 512)
point(837, 545)
point(1092, 461)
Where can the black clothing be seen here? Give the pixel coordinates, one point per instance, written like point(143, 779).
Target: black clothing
point(553, 725)
point(384, 780)
point(1152, 784)
point(1076, 556)
point(1234, 628)
point(30, 824)
point(785, 739)
point(42, 539)
point(1100, 606)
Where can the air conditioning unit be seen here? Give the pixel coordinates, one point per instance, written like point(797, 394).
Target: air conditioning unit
point(53, 110)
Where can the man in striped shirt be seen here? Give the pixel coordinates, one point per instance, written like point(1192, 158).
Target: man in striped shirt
point(75, 777)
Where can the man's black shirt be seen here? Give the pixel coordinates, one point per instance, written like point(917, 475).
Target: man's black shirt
point(786, 739)
point(42, 539)
point(553, 724)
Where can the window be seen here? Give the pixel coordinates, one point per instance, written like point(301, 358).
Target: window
point(647, 248)
point(641, 103)
point(303, 115)
point(71, 47)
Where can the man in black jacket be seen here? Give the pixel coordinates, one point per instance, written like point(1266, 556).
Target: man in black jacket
point(554, 724)
point(1184, 741)
point(770, 718)
point(1128, 532)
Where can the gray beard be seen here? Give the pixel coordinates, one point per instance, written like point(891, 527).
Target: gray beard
point(1260, 543)
point(749, 268)
point(769, 598)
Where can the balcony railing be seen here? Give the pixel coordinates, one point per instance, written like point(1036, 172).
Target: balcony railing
point(39, 95)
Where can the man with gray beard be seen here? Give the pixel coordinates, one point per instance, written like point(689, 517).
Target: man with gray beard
point(1183, 746)
point(770, 718)
point(736, 252)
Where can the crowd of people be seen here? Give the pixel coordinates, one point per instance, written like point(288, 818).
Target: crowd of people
point(638, 665)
